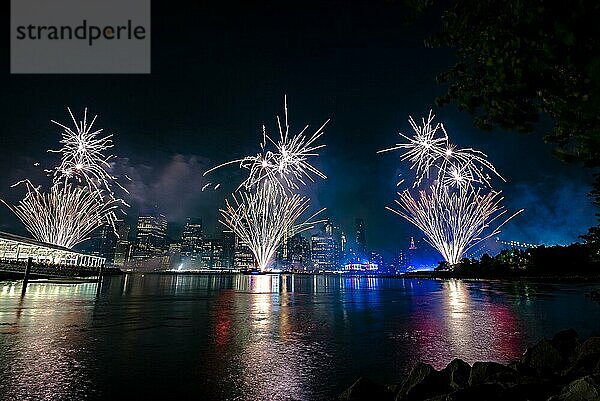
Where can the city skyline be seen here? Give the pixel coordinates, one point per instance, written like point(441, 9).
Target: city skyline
point(327, 247)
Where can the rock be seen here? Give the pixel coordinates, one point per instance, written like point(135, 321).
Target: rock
point(366, 390)
point(586, 358)
point(585, 389)
point(522, 369)
point(492, 372)
point(543, 357)
point(423, 382)
point(457, 373)
point(565, 342)
point(481, 392)
point(532, 391)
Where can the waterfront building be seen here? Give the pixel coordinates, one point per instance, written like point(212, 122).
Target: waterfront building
point(17, 249)
point(243, 257)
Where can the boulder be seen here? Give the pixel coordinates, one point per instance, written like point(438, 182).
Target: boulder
point(530, 391)
point(423, 382)
point(366, 390)
point(565, 342)
point(523, 370)
point(481, 392)
point(492, 372)
point(584, 389)
point(543, 357)
point(457, 373)
point(586, 358)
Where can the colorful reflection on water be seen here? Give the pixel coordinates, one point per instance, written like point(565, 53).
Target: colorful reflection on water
point(274, 337)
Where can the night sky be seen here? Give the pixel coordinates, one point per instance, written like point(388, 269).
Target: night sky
point(219, 72)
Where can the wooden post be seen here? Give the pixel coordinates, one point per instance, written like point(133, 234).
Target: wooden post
point(27, 273)
point(100, 273)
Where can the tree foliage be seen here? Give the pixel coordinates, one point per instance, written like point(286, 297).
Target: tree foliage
point(519, 62)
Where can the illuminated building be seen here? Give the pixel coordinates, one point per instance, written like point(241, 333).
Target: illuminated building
point(17, 249)
point(151, 236)
point(174, 255)
point(361, 267)
point(411, 254)
point(299, 253)
point(516, 244)
point(191, 243)
point(123, 246)
point(326, 248)
point(218, 253)
point(243, 258)
point(376, 259)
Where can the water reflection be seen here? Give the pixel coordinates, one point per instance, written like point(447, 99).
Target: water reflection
point(241, 337)
point(45, 362)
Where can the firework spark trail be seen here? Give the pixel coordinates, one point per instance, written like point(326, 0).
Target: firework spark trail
point(457, 209)
point(262, 217)
point(66, 215)
point(83, 154)
point(430, 152)
point(285, 161)
point(453, 221)
point(80, 198)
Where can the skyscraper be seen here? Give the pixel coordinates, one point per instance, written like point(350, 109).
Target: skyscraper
point(326, 248)
point(151, 236)
point(411, 259)
point(123, 246)
point(218, 252)
point(243, 257)
point(361, 243)
point(191, 243)
point(299, 256)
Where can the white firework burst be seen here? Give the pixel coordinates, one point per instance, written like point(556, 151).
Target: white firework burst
point(66, 215)
point(285, 161)
point(454, 221)
point(430, 153)
point(80, 198)
point(262, 217)
point(459, 208)
point(83, 154)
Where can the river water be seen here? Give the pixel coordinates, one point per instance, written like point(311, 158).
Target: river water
point(288, 337)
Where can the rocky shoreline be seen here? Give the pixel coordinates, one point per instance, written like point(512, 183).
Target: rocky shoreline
point(565, 368)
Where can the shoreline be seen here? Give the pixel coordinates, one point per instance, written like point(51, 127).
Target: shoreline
point(565, 368)
point(413, 276)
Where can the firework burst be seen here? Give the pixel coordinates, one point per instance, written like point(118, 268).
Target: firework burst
point(83, 154)
point(453, 221)
point(285, 161)
point(80, 198)
point(66, 215)
point(431, 154)
point(459, 208)
point(263, 217)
